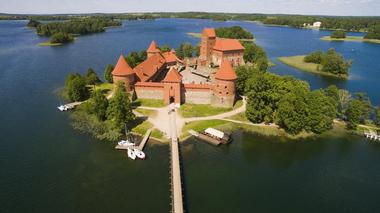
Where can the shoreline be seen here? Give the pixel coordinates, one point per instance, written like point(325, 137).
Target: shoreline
point(298, 63)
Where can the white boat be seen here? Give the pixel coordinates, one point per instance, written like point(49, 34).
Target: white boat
point(131, 154)
point(62, 108)
point(140, 154)
point(125, 143)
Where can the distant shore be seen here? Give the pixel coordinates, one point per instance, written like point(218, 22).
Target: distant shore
point(351, 38)
point(298, 63)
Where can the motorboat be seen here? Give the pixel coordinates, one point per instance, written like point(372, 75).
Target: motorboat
point(131, 154)
point(62, 108)
point(140, 154)
point(125, 143)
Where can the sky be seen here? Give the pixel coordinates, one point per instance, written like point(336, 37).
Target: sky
point(307, 7)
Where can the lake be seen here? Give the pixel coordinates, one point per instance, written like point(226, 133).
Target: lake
point(46, 166)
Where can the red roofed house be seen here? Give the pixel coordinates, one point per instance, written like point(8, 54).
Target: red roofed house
point(214, 50)
point(158, 77)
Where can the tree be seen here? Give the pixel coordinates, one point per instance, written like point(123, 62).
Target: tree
point(99, 105)
point(377, 116)
point(108, 73)
point(338, 34)
point(235, 32)
point(334, 63)
point(135, 58)
point(254, 54)
point(119, 110)
point(344, 98)
point(91, 77)
point(75, 87)
point(358, 110)
point(33, 23)
point(164, 48)
point(185, 50)
point(314, 57)
point(61, 37)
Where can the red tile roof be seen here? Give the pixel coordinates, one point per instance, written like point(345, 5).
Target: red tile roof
point(226, 44)
point(226, 72)
point(170, 57)
point(150, 67)
point(209, 32)
point(153, 48)
point(173, 76)
point(122, 68)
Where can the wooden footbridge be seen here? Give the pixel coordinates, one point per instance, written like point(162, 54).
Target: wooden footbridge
point(176, 184)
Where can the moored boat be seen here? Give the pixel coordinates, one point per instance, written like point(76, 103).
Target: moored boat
point(131, 154)
point(140, 154)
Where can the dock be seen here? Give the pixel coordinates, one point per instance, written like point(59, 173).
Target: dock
point(176, 184)
point(141, 144)
point(73, 104)
point(206, 138)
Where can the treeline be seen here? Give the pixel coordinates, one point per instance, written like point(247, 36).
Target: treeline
point(235, 32)
point(79, 26)
point(291, 104)
point(331, 62)
point(374, 33)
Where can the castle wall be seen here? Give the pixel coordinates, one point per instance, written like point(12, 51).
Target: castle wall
point(149, 90)
point(235, 57)
point(196, 93)
point(127, 80)
point(223, 93)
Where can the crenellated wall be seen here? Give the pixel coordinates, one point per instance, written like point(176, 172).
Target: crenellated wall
point(196, 93)
point(149, 90)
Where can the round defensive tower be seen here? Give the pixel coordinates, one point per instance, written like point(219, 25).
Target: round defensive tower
point(124, 73)
point(224, 87)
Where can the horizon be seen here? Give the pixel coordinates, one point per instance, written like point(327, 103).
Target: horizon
point(271, 7)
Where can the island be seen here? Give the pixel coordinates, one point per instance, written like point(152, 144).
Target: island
point(373, 36)
point(234, 32)
point(64, 31)
point(205, 90)
point(329, 64)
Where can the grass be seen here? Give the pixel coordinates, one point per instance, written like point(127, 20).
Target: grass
point(239, 117)
point(199, 35)
point(146, 112)
point(141, 129)
point(149, 102)
point(48, 43)
point(351, 38)
point(298, 63)
point(200, 126)
point(200, 110)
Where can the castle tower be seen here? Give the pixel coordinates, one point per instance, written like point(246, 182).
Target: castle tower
point(224, 86)
point(207, 44)
point(152, 49)
point(172, 87)
point(123, 72)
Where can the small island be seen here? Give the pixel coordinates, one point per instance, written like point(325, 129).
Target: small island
point(64, 31)
point(372, 36)
point(328, 64)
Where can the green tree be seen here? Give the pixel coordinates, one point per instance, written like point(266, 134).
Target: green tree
point(75, 87)
point(377, 116)
point(334, 63)
point(119, 109)
point(235, 32)
point(164, 48)
point(91, 77)
point(254, 54)
point(338, 34)
point(61, 37)
point(108, 73)
point(185, 50)
point(358, 110)
point(99, 105)
point(314, 57)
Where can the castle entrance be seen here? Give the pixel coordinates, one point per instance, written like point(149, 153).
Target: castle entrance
point(171, 99)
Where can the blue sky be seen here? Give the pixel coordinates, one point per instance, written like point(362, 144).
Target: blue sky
point(322, 7)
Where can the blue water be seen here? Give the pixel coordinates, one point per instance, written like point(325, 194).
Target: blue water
point(46, 166)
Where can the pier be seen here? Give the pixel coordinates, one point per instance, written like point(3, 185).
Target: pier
point(141, 144)
point(176, 184)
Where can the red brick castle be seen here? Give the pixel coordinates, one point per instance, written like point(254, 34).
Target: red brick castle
point(164, 76)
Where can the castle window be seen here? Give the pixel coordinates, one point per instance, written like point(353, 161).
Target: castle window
point(225, 87)
point(226, 93)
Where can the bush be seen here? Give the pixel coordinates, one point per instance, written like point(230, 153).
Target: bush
point(314, 57)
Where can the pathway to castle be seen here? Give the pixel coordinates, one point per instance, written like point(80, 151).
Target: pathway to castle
point(162, 120)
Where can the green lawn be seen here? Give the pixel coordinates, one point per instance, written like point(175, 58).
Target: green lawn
point(200, 126)
point(149, 102)
point(144, 126)
point(239, 117)
point(48, 43)
point(351, 38)
point(200, 110)
point(147, 112)
point(298, 63)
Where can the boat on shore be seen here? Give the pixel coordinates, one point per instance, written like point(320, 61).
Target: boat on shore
point(62, 108)
point(125, 143)
point(212, 136)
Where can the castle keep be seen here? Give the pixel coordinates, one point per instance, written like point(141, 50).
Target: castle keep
point(164, 76)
